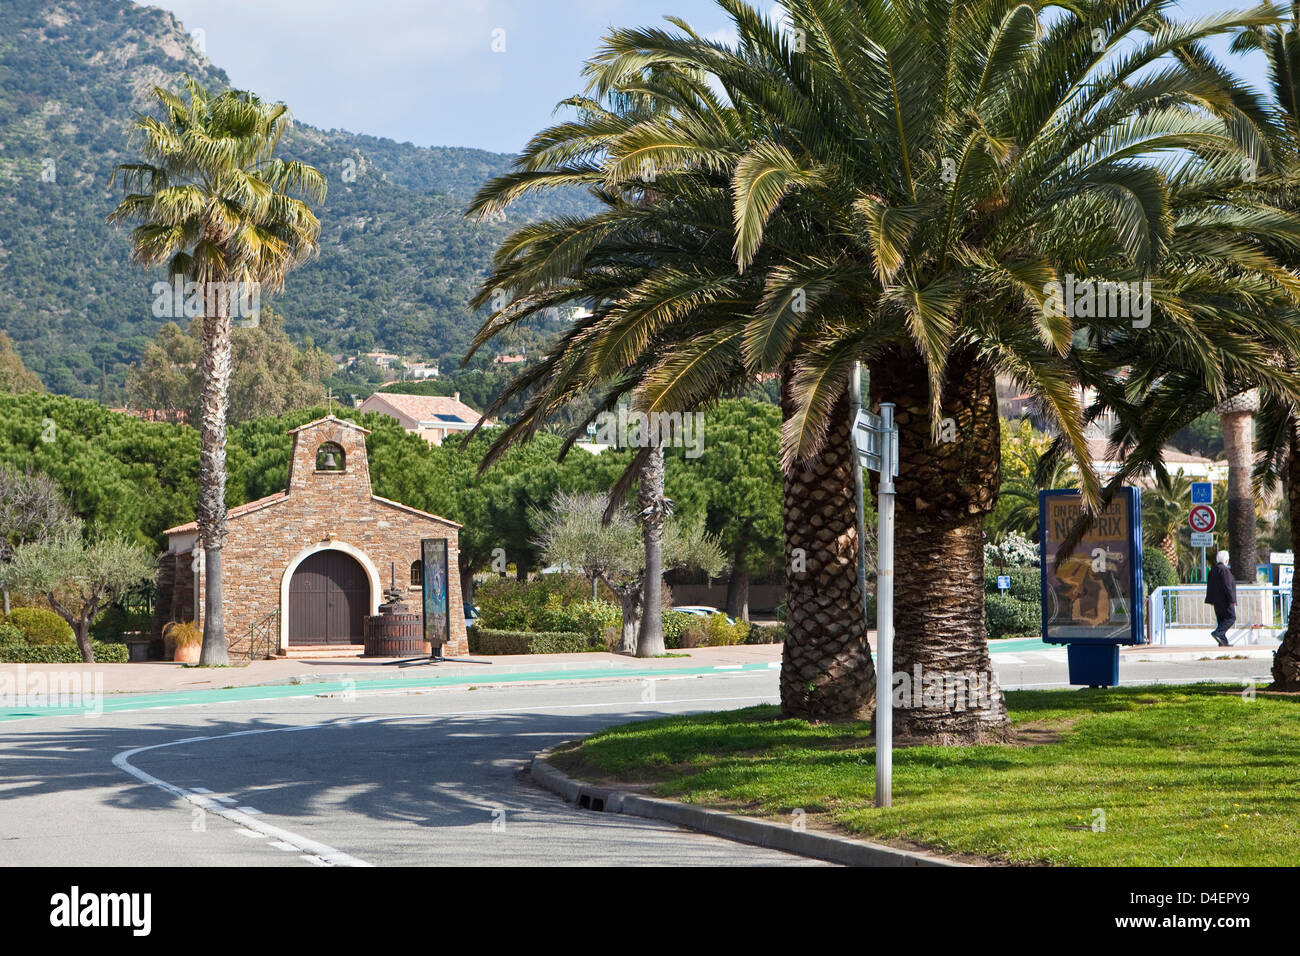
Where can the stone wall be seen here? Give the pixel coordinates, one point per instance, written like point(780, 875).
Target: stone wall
point(323, 509)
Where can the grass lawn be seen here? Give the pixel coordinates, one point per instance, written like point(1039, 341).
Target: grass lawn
point(1195, 776)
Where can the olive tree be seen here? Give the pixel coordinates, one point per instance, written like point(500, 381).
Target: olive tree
point(78, 579)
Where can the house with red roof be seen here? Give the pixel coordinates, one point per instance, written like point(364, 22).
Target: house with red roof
point(432, 417)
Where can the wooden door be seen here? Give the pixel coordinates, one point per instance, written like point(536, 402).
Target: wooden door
point(329, 598)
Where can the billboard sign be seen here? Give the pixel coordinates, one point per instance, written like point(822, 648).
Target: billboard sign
point(437, 609)
point(1096, 595)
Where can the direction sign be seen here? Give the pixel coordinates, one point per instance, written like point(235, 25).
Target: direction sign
point(1202, 492)
point(871, 436)
point(1202, 518)
point(1202, 539)
point(1004, 582)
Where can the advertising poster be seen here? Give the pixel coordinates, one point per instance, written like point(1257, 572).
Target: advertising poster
point(1096, 593)
point(437, 619)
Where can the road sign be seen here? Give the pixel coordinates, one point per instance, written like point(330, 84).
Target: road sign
point(1202, 518)
point(1004, 582)
point(871, 434)
point(1202, 492)
point(1202, 539)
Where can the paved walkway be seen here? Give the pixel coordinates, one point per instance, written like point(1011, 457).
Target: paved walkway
point(167, 677)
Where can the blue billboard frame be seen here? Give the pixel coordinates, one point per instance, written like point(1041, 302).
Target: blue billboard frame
point(1137, 596)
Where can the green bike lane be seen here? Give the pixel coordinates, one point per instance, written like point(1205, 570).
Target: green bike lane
point(94, 704)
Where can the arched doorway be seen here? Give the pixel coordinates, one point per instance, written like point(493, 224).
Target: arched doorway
point(329, 598)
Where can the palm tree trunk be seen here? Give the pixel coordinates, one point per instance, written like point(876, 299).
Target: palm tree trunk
point(629, 600)
point(944, 687)
point(650, 499)
point(213, 402)
point(1236, 417)
point(1286, 659)
point(826, 667)
point(738, 584)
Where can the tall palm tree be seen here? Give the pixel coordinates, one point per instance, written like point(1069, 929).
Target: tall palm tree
point(1280, 419)
point(901, 182)
point(212, 201)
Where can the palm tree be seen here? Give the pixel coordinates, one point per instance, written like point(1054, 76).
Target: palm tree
point(902, 183)
point(212, 201)
point(1280, 419)
point(1164, 514)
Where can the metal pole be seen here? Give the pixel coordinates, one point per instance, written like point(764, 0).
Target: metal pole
point(1204, 574)
point(855, 409)
point(885, 611)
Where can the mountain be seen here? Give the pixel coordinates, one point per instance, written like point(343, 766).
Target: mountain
point(397, 263)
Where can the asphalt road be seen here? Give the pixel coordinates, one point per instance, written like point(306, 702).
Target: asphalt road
point(430, 778)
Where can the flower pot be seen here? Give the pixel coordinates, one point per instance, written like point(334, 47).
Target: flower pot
point(187, 653)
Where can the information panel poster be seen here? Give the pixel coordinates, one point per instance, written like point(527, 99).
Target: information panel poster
point(1096, 593)
point(437, 619)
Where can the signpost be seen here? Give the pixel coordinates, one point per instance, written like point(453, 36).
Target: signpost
point(875, 442)
point(1202, 519)
point(1202, 492)
point(1004, 582)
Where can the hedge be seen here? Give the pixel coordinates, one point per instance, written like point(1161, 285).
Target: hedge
point(1006, 616)
point(1156, 570)
point(60, 653)
point(40, 626)
point(487, 641)
point(1026, 583)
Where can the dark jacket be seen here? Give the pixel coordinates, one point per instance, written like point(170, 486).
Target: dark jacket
point(1221, 589)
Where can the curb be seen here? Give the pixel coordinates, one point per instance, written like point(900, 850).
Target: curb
point(773, 836)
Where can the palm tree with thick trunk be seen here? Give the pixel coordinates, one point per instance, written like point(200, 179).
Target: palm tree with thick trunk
point(1237, 417)
point(213, 202)
point(902, 184)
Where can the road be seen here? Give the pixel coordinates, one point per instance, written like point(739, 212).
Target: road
point(416, 778)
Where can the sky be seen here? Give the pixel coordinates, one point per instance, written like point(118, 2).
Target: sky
point(478, 73)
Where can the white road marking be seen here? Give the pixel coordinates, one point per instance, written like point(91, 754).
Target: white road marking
point(286, 846)
point(250, 810)
point(253, 834)
point(327, 853)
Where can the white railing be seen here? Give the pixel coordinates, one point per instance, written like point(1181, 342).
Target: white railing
point(1179, 614)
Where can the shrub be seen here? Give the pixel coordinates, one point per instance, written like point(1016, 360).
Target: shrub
point(114, 624)
point(675, 624)
point(696, 634)
point(41, 627)
point(591, 618)
point(1005, 616)
point(180, 634)
point(11, 634)
point(60, 653)
point(766, 634)
point(488, 641)
point(1157, 572)
point(1014, 550)
point(539, 605)
point(722, 634)
point(1026, 583)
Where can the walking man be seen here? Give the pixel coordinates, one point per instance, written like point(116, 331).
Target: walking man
point(1221, 592)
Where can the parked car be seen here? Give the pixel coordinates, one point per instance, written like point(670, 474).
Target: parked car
point(471, 615)
point(703, 610)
